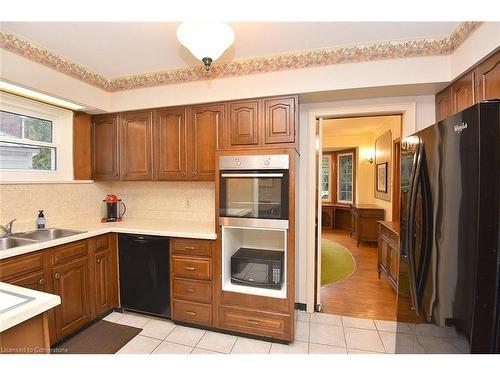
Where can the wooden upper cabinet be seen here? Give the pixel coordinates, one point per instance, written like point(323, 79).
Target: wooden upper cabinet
point(71, 284)
point(443, 104)
point(105, 161)
point(82, 146)
point(244, 123)
point(169, 134)
point(462, 93)
point(488, 78)
point(204, 126)
point(279, 120)
point(136, 151)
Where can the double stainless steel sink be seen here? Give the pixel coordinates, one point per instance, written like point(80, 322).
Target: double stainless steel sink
point(41, 235)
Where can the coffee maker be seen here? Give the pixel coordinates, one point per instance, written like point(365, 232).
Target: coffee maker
point(114, 209)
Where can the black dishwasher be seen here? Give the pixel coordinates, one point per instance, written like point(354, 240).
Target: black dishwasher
point(144, 274)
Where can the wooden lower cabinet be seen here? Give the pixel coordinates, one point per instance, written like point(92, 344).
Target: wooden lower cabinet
point(364, 222)
point(29, 337)
point(191, 281)
point(85, 279)
point(71, 283)
point(255, 322)
point(388, 252)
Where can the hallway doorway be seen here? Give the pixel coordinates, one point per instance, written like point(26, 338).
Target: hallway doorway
point(358, 177)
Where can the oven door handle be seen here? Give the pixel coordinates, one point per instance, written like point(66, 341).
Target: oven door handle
point(250, 175)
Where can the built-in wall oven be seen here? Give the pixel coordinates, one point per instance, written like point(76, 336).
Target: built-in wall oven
point(254, 190)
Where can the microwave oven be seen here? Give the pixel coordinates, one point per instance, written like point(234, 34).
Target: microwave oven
point(258, 268)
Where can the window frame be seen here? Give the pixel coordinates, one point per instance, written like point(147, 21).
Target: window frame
point(62, 140)
point(330, 169)
point(339, 155)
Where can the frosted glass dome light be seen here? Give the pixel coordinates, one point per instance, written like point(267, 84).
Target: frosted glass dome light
point(207, 41)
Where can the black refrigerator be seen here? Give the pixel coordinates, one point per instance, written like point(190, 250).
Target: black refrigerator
point(448, 297)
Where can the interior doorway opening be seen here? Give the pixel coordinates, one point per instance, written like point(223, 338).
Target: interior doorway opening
point(357, 202)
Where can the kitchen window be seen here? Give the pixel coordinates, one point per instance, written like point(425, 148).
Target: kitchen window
point(35, 141)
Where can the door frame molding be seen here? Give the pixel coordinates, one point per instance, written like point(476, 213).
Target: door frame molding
point(408, 112)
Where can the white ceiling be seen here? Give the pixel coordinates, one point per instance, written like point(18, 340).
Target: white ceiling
point(354, 126)
point(116, 49)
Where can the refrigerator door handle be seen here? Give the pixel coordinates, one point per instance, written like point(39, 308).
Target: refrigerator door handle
point(418, 272)
point(410, 232)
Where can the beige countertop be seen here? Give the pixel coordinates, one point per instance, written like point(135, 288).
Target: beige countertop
point(19, 304)
point(161, 227)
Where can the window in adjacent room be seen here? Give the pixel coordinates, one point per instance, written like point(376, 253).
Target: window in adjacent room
point(345, 177)
point(326, 175)
point(35, 141)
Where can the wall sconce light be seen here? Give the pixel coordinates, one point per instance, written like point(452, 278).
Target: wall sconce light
point(369, 155)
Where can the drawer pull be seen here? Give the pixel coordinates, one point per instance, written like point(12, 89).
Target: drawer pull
point(190, 268)
point(191, 313)
point(190, 248)
point(253, 322)
point(99, 261)
point(57, 276)
point(190, 290)
point(41, 281)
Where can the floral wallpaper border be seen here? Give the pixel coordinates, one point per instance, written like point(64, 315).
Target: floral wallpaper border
point(266, 64)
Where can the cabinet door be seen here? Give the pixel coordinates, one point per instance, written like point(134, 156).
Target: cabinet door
point(488, 78)
point(105, 162)
point(104, 283)
point(244, 123)
point(443, 104)
point(384, 255)
point(136, 149)
point(205, 124)
point(279, 120)
point(394, 264)
point(71, 284)
point(462, 93)
point(169, 133)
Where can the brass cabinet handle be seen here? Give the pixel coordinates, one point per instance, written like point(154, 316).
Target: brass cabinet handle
point(191, 313)
point(190, 248)
point(253, 322)
point(99, 261)
point(57, 276)
point(189, 268)
point(190, 290)
point(183, 174)
point(41, 281)
point(194, 173)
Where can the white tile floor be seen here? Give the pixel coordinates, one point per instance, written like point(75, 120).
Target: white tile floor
point(314, 334)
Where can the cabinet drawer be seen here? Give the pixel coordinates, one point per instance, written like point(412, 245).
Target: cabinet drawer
point(192, 312)
point(389, 234)
point(71, 251)
point(21, 265)
point(192, 290)
point(191, 247)
point(255, 322)
point(195, 268)
point(101, 243)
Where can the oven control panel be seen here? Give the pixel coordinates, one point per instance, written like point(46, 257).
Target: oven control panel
point(253, 162)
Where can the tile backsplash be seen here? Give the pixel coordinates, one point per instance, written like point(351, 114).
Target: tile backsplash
point(65, 203)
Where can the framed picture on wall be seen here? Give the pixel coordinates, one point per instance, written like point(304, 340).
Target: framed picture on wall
point(382, 177)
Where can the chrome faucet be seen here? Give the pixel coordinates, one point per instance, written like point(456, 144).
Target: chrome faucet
point(7, 228)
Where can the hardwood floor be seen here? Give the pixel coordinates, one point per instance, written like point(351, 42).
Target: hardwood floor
point(363, 294)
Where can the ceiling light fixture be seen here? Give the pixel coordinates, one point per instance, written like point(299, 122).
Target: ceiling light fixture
point(207, 41)
point(28, 93)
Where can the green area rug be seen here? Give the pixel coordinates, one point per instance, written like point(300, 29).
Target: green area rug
point(337, 263)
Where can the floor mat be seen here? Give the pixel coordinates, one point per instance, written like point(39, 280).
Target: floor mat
point(337, 263)
point(102, 337)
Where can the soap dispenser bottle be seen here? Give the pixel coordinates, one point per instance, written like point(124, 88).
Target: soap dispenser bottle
point(40, 221)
